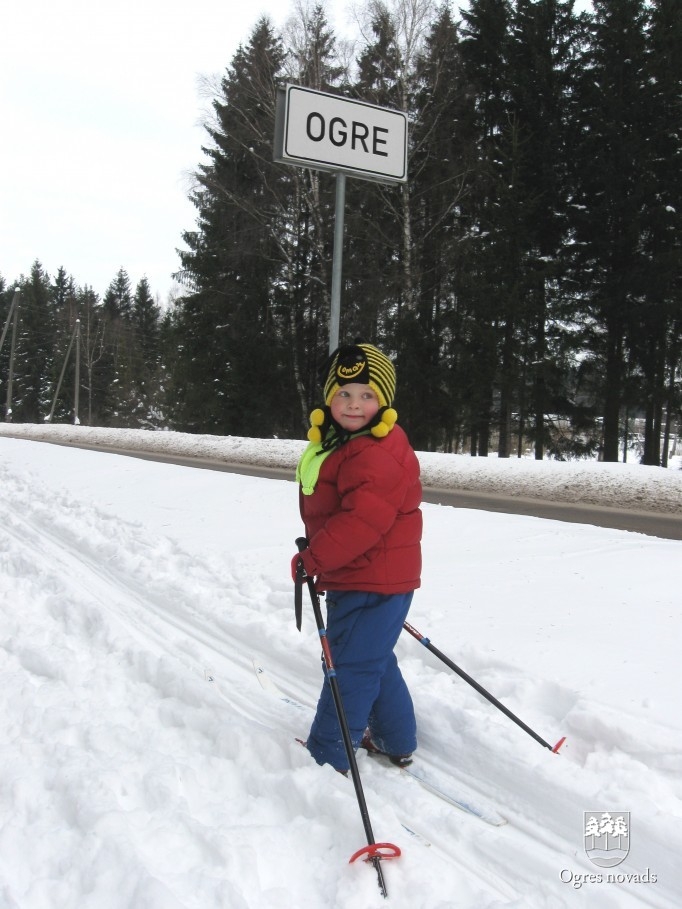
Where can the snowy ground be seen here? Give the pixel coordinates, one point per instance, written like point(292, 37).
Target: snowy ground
point(128, 780)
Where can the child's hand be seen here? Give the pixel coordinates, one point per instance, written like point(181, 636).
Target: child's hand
point(295, 562)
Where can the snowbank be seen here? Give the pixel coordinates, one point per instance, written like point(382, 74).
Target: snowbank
point(630, 486)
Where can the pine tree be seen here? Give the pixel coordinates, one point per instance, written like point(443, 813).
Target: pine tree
point(229, 355)
point(63, 295)
point(388, 75)
point(7, 296)
point(116, 368)
point(488, 282)
point(311, 53)
point(657, 338)
point(94, 359)
point(545, 37)
point(431, 401)
point(382, 260)
point(148, 411)
point(33, 363)
point(611, 190)
point(118, 298)
point(145, 316)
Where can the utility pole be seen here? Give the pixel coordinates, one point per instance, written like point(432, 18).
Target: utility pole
point(75, 335)
point(15, 302)
point(14, 316)
point(77, 380)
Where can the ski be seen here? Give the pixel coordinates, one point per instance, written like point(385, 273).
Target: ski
point(470, 803)
point(267, 683)
point(417, 837)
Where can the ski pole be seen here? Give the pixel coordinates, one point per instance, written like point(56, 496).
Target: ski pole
point(481, 690)
point(298, 594)
point(373, 851)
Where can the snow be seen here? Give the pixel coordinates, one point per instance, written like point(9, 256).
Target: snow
point(631, 485)
point(131, 780)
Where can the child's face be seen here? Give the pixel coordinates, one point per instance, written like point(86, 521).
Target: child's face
point(354, 405)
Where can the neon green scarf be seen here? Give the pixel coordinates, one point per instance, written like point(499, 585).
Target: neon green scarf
point(308, 468)
point(314, 456)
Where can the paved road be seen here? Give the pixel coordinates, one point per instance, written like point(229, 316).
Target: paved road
point(667, 526)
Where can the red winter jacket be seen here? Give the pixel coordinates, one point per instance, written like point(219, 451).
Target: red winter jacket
point(363, 521)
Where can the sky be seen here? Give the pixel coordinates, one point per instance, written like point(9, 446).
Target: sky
point(144, 765)
point(100, 110)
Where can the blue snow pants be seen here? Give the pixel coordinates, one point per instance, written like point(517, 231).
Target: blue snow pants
point(362, 630)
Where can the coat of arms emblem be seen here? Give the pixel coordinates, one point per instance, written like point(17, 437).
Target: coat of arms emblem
point(607, 837)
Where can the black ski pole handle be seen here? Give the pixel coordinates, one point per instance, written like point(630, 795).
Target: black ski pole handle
point(301, 544)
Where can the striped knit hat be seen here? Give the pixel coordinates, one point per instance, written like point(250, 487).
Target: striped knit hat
point(361, 363)
point(367, 365)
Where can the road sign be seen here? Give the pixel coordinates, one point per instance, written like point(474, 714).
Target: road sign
point(329, 132)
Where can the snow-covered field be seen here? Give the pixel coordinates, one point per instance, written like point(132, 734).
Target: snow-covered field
point(129, 780)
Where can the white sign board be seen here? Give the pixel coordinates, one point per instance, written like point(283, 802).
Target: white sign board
point(329, 132)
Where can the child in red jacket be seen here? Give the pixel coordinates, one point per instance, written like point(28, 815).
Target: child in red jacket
point(359, 497)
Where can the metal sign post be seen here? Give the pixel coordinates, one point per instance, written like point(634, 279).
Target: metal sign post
point(346, 137)
point(337, 261)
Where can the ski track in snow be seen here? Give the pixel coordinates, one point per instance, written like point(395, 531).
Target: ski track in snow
point(530, 803)
point(129, 627)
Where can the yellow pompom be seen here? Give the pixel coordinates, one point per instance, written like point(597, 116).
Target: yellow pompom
point(317, 418)
point(388, 421)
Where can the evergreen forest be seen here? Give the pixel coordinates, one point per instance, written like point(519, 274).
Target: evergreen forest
point(526, 278)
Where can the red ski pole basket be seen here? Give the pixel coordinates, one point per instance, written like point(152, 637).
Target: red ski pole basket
point(376, 850)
